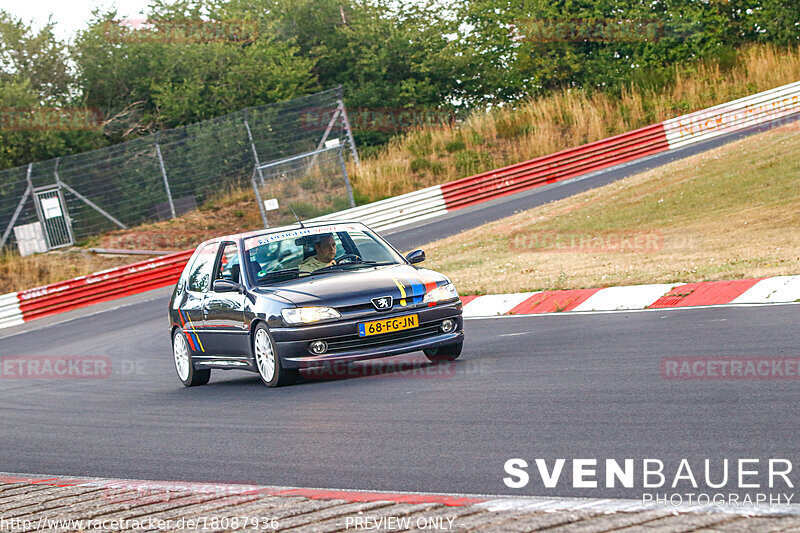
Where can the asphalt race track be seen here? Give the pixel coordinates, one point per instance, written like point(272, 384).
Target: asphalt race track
point(554, 386)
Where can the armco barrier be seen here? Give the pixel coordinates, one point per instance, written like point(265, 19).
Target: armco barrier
point(781, 103)
point(398, 211)
point(762, 108)
point(10, 315)
point(87, 290)
point(548, 169)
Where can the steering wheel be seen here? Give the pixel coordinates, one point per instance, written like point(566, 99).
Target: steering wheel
point(348, 258)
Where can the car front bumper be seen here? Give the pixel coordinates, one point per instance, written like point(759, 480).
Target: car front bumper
point(344, 344)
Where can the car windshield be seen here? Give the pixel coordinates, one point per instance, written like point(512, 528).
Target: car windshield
point(315, 251)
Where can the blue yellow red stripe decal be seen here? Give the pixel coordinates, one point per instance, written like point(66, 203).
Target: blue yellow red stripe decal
point(197, 337)
point(183, 327)
point(429, 285)
point(193, 337)
point(402, 291)
point(417, 291)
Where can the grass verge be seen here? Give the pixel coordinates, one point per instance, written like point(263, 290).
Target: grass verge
point(730, 213)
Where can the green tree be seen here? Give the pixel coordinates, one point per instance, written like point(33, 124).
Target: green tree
point(182, 70)
point(531, 47)
point(35, 87)
point(388, 56)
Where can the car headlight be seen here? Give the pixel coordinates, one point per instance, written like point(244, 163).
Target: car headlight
point(307, 315)
point(439, 294)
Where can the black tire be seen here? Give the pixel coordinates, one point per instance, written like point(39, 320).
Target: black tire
point(182, 356)
point(269, 367)
point(448, 352)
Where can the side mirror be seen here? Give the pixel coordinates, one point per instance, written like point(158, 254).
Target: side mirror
point(417, 256)
point(225, 285)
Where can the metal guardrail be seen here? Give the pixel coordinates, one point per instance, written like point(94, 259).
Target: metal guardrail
point(551, 168)
point(744, 113)
point(781, 103)
point(396, 211)
point(108, 285)
point(10, 314)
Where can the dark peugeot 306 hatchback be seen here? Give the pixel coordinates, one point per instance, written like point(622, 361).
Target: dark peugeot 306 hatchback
point(278, 300)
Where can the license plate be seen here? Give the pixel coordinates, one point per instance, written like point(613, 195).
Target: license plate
point(388, 325)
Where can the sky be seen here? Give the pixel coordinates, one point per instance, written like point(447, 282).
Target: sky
point(69, 15)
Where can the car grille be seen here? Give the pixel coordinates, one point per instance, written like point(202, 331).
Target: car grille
point(356, 309)
point(354, 342)
point(367, 310)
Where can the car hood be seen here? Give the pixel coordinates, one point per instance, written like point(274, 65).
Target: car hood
point(342, 289)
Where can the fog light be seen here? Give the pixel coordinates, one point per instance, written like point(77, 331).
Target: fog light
point(319, 347)
point(448, 325)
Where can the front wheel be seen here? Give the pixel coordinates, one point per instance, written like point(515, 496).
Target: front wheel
point(448, 352)
point(267, 360)
point(189, 376)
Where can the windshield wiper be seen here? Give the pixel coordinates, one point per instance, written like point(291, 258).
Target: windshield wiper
point(279, 273)
point(357, 264)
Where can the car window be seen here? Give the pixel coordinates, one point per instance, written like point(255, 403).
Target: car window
point(284, 253)
point(199, 279)
point(229, 268)
point(368, 248)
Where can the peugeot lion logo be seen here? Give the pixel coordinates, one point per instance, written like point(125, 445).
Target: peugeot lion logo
point(383, 303)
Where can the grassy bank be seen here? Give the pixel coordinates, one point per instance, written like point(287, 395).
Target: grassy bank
point(730, 213)
point(565, 119)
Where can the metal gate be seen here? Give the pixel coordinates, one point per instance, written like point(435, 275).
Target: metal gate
point(53, 215)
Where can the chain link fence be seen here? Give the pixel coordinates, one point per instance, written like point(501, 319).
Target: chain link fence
point(50, 204)
point(310, 185)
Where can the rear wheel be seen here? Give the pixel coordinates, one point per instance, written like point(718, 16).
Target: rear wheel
point(188, 375)
point(448, 352)
point(267, 360)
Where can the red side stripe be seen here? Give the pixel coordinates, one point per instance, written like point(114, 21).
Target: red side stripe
point(186, 332)
point(704, 293)
point(553, 301)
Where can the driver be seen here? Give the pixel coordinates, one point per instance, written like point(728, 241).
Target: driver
point(325, 246)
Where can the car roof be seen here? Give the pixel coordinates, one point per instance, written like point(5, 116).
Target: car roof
point(267, 231)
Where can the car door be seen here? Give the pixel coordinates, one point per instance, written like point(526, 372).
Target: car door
point(191, 309)
point(224, 321)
